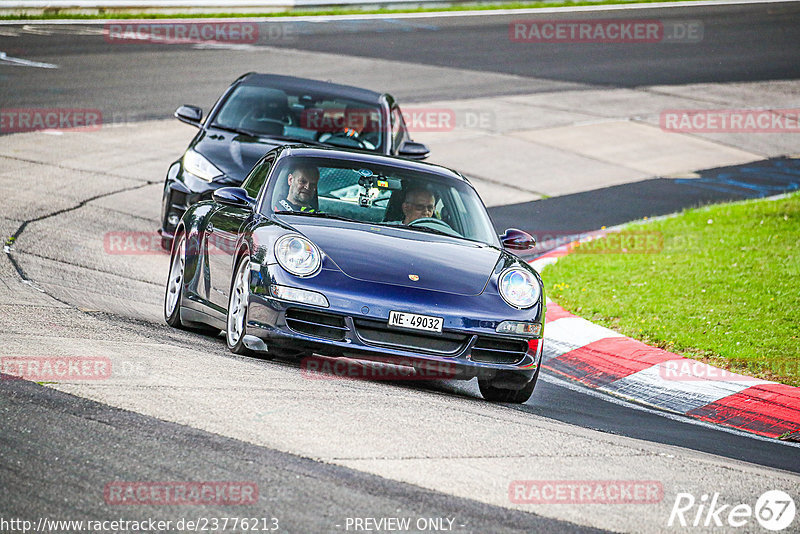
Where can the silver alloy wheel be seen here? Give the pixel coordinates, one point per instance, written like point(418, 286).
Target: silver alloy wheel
point(237, 305)
point(175, 282)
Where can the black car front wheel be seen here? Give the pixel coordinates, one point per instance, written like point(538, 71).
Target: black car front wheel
point(174, 293)
point(517, 396)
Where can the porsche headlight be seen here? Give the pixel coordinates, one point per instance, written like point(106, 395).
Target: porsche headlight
point(200, 166)
point(297, 255)
point(519, 288)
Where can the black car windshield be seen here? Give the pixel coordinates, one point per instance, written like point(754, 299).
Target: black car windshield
point(300, 116)
point(379, 194)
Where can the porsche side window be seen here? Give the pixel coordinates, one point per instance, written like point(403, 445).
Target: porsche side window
point(257, 177)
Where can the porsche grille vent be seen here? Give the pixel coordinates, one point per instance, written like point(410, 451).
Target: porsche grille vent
point(316, 324)
point(498, 350)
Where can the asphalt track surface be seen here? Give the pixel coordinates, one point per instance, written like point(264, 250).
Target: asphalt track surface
point(39, 423)
point(740, 43)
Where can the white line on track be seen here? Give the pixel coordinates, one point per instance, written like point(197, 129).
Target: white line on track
point(434, 14)
point(675, 417)
point(19, 62)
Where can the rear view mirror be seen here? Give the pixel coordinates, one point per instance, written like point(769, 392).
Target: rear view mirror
point(233, 196)
point(189, 114)
point(515, 239)
point(412, 150)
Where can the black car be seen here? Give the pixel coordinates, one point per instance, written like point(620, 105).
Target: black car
point(261, 111)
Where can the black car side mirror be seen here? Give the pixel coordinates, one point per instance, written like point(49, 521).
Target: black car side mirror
point(412, 150)
point(233, 196)
point(189, 114)
point(515, 239)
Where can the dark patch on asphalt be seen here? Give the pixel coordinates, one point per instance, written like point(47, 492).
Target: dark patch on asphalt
point(56, 472)
point(566, 215)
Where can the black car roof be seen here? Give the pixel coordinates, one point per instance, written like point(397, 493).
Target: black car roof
point(313, 86)
point(365, 157)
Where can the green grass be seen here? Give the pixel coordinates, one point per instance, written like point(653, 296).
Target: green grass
point(55, 14)
point(725, 288)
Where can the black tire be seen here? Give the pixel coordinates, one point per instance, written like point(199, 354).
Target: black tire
point(236, 318)
point(174, 291)
point(516, 396)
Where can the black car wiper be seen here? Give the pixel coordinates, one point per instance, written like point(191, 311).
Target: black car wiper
point(304, 140)
point(235, 130)
point(319, 214)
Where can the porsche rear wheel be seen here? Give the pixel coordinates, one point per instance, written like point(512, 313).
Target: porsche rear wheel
point(516, 396)
point(237, 307)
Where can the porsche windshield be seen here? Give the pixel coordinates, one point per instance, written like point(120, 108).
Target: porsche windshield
point(380, 194)
point(301, 116)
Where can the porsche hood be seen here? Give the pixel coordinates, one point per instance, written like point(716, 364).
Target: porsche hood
point(405, 257)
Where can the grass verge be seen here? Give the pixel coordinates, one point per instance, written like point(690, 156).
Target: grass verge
point(55, 14)
point(724, 289)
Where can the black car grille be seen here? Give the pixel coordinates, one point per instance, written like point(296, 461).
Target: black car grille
point(316, 324)
point(498, 350)
point(379, 334)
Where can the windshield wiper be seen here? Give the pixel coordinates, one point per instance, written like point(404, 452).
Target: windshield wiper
point(235, 130)
point(319, 214)
point(304, 140)
point(429, 230)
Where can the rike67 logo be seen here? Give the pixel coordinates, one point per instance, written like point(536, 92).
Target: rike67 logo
point(774, 510)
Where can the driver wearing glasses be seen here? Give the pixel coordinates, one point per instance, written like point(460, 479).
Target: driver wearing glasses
point(418, 204)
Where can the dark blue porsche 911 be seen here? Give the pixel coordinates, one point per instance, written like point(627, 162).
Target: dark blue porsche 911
point(349, 254)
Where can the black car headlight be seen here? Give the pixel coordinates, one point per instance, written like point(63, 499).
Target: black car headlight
point(298, 255)
point(199, 166)
point(519, 288)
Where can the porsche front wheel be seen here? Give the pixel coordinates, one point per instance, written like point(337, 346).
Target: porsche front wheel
point(237, 307)
point(516, 396)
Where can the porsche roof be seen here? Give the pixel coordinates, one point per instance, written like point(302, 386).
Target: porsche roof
point(365, 157)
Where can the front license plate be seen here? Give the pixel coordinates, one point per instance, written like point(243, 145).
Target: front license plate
point(417, 322)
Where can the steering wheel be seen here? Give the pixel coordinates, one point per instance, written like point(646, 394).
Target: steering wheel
point(342, 135)
point(251, 121)
point(431, 221)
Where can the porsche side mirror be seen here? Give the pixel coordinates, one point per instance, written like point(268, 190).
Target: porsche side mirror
point(412, 150)
point(233, 196)
point(189, 114)
point(515, 239)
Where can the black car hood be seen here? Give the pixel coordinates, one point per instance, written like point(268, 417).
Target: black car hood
point(234, 154)
point(394, 255)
